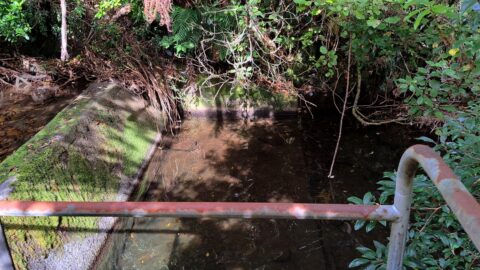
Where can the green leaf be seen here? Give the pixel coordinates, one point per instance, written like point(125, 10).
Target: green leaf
point(370, 226)
point(371, 267)
point(420, 18)
point(425, 139)
point(359, 15)
point(392, 20)
point(411, 264)
point(359, 224)
point(428, 102)
point(358, 262)
point(420, 100)
point(435, 84)
point(440, 9)
point(355, 200)
point(367, 198)
point(451, 73)
point(367, 253)
point(302, 2)
point(316, 11)
point(374, 23)
point(379, 248)
point(411, 14)
point(439, 114)
point(323, 50)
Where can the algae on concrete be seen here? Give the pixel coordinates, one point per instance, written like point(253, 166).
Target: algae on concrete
point(86, 153)
point(237, 98)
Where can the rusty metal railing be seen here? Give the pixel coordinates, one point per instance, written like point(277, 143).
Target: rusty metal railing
point(462, 203)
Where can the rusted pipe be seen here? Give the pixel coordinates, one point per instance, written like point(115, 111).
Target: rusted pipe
point(200, 209)
point(460, 201)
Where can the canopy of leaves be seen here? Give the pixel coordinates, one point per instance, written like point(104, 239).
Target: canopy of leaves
point(12, 21)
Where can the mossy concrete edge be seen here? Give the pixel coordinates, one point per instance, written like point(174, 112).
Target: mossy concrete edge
point(236, 103)
point(93, 150)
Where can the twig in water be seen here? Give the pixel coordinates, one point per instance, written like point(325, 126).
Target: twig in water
point(347, 88)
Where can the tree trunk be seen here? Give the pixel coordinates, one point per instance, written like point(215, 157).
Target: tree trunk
point(64, 52)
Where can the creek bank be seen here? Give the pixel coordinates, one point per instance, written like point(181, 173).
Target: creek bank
point(21, 117)
point(91, 151)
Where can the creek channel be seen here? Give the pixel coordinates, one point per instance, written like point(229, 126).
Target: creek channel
point(279, 159)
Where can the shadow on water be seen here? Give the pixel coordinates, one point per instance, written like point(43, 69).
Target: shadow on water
point(283, 160)
point(259, 161)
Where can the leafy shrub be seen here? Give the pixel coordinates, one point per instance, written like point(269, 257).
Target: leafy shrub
point(186, 33)
point(105, 6)
point(452, 73)
point(435, 239)
point(13, 25)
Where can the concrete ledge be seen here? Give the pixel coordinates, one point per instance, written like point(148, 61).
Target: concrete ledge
point(237, 104)
point(93, 150)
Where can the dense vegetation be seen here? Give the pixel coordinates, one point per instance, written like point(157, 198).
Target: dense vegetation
point(404, 61)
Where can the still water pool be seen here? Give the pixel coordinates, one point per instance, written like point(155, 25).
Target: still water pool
point(266, 160)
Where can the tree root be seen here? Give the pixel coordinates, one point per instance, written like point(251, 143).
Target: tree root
point(362, 118)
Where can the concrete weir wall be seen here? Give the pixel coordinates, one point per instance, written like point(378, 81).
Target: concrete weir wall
point(228, 104)
point(93, 150)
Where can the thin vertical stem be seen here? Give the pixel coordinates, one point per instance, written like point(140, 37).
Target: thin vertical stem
point(347, 88)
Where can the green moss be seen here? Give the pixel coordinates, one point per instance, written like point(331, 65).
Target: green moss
point(55, 166)
point(137, 138)
point(56, 174)
point(60, 125)
point(234, 97)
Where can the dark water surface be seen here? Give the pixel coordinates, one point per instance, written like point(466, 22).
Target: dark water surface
point(282, 160)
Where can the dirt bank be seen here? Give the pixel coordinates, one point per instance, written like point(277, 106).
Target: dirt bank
point(21, 117)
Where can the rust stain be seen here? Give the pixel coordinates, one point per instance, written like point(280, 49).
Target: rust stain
point(469, 206)
point(286, 210)
point(444, 172)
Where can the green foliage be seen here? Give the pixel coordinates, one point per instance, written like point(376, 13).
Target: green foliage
point(451, 73)
point(13, 25)
point(190, 25)
point(186, 33)
point(435, 239)
point(429, 48)
point(136, 7)
point(368, 199)
point(423, 52)
point(105, 6)
point(371, 258)
point(327, 59)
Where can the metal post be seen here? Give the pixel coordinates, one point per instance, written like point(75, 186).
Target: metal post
point(6, 262)
point(402, 202)
point(463, 204)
